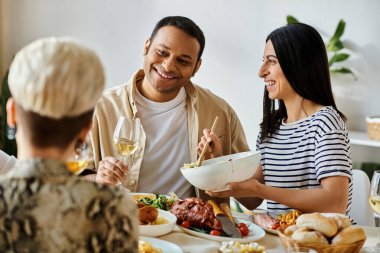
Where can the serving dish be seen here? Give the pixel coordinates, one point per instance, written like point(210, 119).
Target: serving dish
point(165, 246)
point(215, 174)
point(161, 229)
point(255, 233)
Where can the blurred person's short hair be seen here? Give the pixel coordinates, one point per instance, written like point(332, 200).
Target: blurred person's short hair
point(55, 83)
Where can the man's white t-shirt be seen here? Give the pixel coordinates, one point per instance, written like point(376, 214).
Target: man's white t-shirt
point(167, 145)
point(6, 162)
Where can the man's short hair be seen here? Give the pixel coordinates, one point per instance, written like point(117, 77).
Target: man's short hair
point(184, 24)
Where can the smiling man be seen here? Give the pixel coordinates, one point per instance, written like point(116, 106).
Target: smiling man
point(173, 113)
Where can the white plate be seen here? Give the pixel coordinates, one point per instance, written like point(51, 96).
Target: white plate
point(269, 230)
point(255, 233)
point(165, 246)
point(162, 229)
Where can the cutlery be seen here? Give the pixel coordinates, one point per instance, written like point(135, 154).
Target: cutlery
point(226, 209)
point(228, 226)
point(200, 159)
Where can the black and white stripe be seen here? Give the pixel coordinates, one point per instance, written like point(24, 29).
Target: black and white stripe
point(300, 154)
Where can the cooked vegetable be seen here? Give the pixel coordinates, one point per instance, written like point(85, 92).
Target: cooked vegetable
point(190, 165)
point(160, 201)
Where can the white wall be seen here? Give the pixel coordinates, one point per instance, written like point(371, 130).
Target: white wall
point(235, 33)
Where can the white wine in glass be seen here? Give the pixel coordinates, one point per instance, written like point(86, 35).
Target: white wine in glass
point(78, 161)
point(126, 139)
point(125, 147)
point(374, 202)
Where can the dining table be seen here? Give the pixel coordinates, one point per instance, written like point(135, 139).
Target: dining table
point(271, 242)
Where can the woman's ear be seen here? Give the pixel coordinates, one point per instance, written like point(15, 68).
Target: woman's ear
point(11, 113)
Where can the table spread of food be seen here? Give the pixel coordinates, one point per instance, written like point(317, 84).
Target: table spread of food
point(206, 219)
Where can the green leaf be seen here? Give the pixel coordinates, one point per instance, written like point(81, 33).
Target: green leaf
point(339, 30)
point(341, 70)
point(291, 20)
point(338, 58)
point(334, 45)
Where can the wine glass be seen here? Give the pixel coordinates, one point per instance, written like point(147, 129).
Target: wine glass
point(126, 139)
point(374, 202)
point(78, 161)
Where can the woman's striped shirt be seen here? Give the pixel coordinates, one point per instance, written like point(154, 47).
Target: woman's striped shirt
point(300, 154)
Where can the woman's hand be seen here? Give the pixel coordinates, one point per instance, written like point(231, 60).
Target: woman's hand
point(215, 147)
point(247, 188)
point(111, 171)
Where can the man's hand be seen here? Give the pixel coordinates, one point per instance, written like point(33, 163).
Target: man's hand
point(111, 171)
point(215, 147)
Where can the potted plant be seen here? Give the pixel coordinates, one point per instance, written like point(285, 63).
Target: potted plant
point(334, 48)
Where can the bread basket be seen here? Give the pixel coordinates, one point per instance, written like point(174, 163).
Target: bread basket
point(290, 244)
point(373, 127)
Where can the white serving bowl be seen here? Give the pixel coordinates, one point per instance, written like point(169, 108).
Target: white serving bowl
point(162, 229)
point(214, 174)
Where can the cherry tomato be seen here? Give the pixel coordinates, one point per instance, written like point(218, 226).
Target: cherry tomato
point(215, 232)
point(186, 224)
point(244, 231)
point(276, 226)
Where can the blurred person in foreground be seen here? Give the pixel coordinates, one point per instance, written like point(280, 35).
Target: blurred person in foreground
point(55, 84)
point(173, 112)
point(305, 149)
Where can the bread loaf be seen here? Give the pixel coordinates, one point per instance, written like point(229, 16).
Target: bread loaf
point(318, 222)
point(341, 220)
point(290, 230)
point(349, 235)
point(307, 236)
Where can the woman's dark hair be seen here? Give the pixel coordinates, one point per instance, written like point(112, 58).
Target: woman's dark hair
point(47, 132)
point(303, 59)
point(184, 24)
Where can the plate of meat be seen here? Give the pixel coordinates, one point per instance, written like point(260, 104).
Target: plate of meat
point(272, 222)
point(267, 221)
point(196, 217)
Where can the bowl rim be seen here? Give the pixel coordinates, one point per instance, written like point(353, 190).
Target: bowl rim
point(227, 161)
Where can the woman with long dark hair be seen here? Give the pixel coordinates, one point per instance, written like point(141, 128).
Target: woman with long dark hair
point(303, 141)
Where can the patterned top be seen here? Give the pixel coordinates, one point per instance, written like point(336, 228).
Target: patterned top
point(44, 208)
point(300, 154)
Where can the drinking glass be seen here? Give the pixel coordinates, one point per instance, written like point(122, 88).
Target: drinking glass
point(374, 202)
point(126, 139)
point(78, 161)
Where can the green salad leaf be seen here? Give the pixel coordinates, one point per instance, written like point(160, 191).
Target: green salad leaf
point(161, 201)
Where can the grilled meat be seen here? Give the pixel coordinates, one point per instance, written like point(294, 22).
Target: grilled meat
point(197, 212)
point(264, 220)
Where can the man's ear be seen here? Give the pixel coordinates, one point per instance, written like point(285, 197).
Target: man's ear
point(147, 45)
point(197, 66)
point(11, 112)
